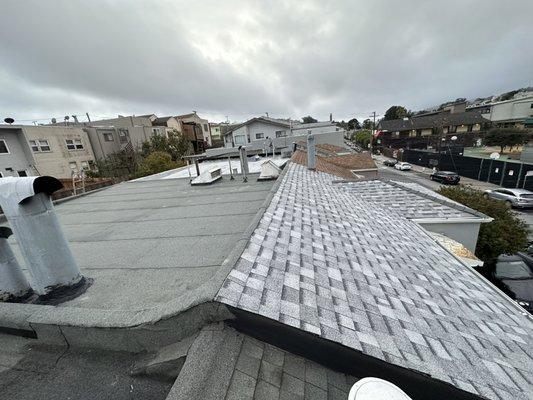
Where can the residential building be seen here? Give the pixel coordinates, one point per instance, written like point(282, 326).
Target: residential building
point(427, 130)
point(261, 131)
point(216, 134)
point(16, 158)
point(515, 112)
point(57, 151)
point(113, 135)
point(201, 122)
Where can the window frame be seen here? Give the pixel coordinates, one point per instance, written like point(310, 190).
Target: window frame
point(281, 134)
point(77, 144)
point(38, 146)
point(259, 138)
point(5, 145)
point(108, 134)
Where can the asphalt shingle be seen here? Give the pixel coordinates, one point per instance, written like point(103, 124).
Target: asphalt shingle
point(394, 294)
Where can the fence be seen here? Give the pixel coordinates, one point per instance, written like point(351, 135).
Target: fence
point(508, 174)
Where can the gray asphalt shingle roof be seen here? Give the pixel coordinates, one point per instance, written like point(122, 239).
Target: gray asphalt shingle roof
point(411, 201)
point(432, 121)
point(325, 261)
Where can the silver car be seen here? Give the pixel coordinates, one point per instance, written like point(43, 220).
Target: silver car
point(518, 198)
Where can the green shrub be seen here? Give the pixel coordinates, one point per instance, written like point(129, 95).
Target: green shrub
point(156, 162)
point(506, 234)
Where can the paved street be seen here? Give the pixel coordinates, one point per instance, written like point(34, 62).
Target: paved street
point(420, 175)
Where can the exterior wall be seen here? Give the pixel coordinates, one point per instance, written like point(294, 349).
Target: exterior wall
point(465, 233)
point(215, 132)
point(517, 109)
point(302, 129)
point(268, 130)
point(204, 124)
point(57, 161)
point(123, 122)
point(136, 135)
point(19, 157)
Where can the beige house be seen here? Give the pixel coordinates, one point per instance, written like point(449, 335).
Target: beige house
point(57, 151)
point(203, 123)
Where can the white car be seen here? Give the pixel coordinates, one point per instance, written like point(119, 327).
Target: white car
point(403, 166)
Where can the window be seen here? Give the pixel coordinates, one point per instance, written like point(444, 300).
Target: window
point(74, 144)
point(281, 133)
point(240, 140)
point(206, 129)
point(40, 146)
point(155, 131)
point(259, 135)
point(531, 105)
point(85, 165)
point(1, 175)
point(3, 147)
point(22, 173)
point(123, 135)
point(108, 136)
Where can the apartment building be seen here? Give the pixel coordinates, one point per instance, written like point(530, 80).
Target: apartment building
point(58, 151)
point(515, 112)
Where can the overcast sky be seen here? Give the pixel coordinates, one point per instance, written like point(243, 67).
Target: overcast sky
point(242, 58)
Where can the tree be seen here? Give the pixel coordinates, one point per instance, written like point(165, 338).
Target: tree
point(362, 138)
point(506, 137)
point(396, 112)
point(177, 145)
point(308, 120)
point(353, 124)
point(368, 124)
point(156, 162)
point(505, 234)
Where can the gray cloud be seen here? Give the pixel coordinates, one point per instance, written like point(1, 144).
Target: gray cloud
point(241, 57)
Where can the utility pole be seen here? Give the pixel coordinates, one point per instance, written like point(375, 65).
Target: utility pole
point(373, 130)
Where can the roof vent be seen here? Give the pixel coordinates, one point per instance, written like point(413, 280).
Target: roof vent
point(28, 207)
point(311, 150)
point(13, 283)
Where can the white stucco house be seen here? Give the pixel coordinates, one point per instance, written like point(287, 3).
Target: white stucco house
point(259, 131)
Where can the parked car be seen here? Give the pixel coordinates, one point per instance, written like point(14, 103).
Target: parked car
point(513, 274)
point(445, 177)
point(390, 163)
point(403, 166)
point(518, 198)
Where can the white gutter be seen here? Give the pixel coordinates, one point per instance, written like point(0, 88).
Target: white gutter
point(462, 220)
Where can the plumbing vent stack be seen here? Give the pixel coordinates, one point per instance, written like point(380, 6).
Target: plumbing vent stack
point(244, 163)
point(311, 157)
point(28, 208)
point(13, 283)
